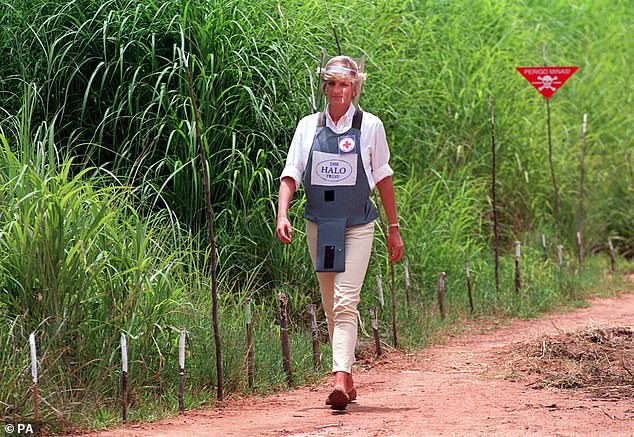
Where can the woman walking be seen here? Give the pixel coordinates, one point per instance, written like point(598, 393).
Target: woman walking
point(341, 154)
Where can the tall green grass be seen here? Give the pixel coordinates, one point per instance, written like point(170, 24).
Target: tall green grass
point(101, 200)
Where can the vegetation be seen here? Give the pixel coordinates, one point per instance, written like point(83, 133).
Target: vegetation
point(102, 223)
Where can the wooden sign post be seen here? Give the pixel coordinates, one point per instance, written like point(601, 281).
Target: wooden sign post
point(547, 80)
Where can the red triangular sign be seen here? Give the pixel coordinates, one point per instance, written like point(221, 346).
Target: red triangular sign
point(547, 80)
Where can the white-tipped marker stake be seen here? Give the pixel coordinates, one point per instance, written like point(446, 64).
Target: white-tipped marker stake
point(248, 315)
point(34, 375)
point(124, 378)
point(181, 372)
point(581, 179)
point(181, 349)
point(33, 357)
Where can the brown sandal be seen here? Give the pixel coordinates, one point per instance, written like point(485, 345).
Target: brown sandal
point(338, 399)
point(352, 396)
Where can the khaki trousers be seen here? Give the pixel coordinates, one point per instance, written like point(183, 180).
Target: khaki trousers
point(340, 292)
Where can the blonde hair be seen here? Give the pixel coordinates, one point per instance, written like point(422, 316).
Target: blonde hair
point(342, 67)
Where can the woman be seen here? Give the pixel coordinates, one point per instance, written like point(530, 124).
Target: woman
point(342, 154)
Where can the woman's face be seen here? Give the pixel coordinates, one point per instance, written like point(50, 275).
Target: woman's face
point(339, 92)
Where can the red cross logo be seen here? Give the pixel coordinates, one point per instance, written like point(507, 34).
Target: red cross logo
point(346, 144)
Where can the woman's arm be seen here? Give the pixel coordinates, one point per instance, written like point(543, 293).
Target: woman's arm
point(284, 229)
point(394, 241)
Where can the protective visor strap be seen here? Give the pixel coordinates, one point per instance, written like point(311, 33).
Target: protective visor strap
point(341, 70)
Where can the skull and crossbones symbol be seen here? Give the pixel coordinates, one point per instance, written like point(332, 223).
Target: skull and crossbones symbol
point(547, 82)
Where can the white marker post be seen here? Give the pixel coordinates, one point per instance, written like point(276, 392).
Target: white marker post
point(181, 372)
point(34, 375)
point(124, 378)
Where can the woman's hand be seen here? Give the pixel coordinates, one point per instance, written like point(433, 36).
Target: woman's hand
point(394, 245)
point(284, 230)
point(394, 241)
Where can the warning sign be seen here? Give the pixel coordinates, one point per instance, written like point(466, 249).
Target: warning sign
point(547, 80)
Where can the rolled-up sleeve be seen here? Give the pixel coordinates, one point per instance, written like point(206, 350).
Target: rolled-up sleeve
point(295, 159)
point(380, 154)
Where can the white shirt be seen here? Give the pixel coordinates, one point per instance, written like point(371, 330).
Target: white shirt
point(374, 149)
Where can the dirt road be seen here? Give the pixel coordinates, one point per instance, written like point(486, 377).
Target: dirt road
point(458, 389)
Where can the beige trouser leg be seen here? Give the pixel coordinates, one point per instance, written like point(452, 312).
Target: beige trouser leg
point(340, 292)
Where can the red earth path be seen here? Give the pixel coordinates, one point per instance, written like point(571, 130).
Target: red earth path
point(460, 388)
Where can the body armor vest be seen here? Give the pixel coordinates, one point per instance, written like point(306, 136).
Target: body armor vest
point(337, 191)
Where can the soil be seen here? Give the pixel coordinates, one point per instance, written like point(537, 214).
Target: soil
point(491, 380)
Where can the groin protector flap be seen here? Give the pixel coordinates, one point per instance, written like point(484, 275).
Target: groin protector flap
point(331, 241)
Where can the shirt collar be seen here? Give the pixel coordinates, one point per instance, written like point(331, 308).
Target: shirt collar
point(345, 122)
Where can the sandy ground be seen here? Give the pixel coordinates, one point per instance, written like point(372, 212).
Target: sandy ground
point(461, 388)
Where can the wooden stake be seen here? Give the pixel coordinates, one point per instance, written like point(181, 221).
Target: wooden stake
point(466, 265)
point(312, 312)
point(379, 290)
point(375, 329)
point(581, 177)
point(394, 335)
point(124, 379)
point(612, 257)
point(544, 247)
point(408, 288)
point(560, 258)
point(386, 231)
point(441, 294)
point(248, 314)
point(210, 219)
point(518, 281)
point(493, 199)
point(36, 400)
point(286, 350)
point(181, 372)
